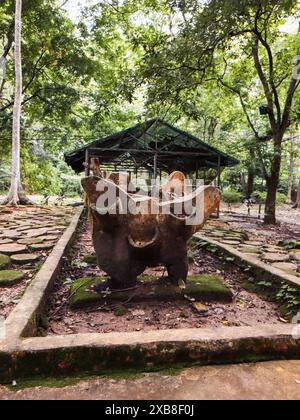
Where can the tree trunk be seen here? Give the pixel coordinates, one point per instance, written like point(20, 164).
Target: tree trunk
point(270, 207)
point(297, 204)
point(291, 168)
point(243, 183)
point(16, 194)
point(273, 182)
point(251, 174)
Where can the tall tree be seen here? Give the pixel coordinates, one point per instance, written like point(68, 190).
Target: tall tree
point(16, 194)
point(237, 45)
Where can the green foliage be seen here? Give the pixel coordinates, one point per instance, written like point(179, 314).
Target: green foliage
point(70, 185)
point(125, 61)
point(288, 244)
point(231, 196)
point(40, 177)
point(4, 177)
point(261, 196)
point(289, 297)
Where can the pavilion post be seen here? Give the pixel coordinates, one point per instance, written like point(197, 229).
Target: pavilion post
point(87, 174)
point(87, 163)
point(219, 172)
point(155, 162)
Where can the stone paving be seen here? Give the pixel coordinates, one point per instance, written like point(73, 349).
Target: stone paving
point(27, 235)
point(281, 254)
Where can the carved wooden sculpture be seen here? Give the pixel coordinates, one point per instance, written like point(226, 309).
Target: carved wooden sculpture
point(137, 231)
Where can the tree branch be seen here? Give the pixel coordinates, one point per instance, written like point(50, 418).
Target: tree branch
point(264, 81)
point(271, 73)
point(294, 84)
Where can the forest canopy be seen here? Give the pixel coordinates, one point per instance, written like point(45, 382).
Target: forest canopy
point(227, 71)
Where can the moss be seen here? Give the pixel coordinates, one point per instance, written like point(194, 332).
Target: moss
point(49, 382)
point(148, 278)
point(126, 374)
point(249, 287)
point(208, 287)
point(10, 277)
point(120, 311)
point(4, 261)
point(191, 257)
point(243, 235)
point(30, 241)
point(44, 321)
point(290, 244)
point(46, 246)
point(165, 292)
point(90, 259)
point(55, 382)
point(80, 293)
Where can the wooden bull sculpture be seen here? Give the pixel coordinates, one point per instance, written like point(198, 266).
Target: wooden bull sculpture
point(132, 231)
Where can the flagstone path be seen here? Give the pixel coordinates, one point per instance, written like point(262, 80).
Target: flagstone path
point(278, 247)
point(27, 236)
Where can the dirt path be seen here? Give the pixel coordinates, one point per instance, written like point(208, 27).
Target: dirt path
point(285, 214)
point(262, 381)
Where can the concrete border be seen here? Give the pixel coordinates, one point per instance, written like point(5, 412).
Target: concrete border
point(252, 261)
point(25, 356)
point(23, 319)
point(97, 353)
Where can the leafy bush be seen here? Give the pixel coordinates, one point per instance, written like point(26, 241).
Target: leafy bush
point(261, 196)
point(232, 196)
point(70, 185)
point(40, 177)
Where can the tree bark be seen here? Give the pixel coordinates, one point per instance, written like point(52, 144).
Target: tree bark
point(291, 168)
point(251, 174)
point(250, 182)
point(297, 204)
point(16, 194)
point(270, 206)
point(273, 181)
point(243, 183)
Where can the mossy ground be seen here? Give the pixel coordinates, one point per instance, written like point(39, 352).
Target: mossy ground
point(208, 287)
point(90, 259)
point(126, 374)
point(10, 277)
point(204, 287)
point(4, 262)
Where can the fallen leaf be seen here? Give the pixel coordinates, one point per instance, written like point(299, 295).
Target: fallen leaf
point(181, 285)
point(202, 309)
point(283, 320)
